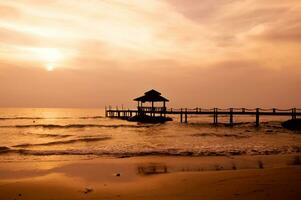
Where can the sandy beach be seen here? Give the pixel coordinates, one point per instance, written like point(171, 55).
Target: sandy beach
point(238, 177)
point(150, 100)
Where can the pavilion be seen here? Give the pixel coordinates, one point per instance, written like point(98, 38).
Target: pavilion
point(152, 97)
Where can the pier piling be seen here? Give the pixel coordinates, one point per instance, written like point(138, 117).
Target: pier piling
point(215, 116)
point(231, 116)
point(257, 117)
point(293, 113)
point(181, 115)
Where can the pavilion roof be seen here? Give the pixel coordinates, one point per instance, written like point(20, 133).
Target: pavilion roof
point(151, 95)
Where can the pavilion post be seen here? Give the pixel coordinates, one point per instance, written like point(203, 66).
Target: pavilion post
point(152, 112)
point(164, 108)
point(139, 107)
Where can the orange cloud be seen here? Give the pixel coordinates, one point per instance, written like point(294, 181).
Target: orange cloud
point(152, 42)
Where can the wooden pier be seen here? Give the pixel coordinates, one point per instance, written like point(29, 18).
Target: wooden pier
point(183, 113)
point(152, 112)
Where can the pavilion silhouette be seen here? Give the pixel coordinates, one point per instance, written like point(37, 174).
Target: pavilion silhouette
point(152, 112)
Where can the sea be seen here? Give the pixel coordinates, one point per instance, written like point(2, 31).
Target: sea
point(52, 133)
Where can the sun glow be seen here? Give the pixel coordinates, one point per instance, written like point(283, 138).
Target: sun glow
point(50, 67)
point(49, 56)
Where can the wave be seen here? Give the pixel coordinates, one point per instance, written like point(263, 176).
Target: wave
point(37, 118)
point(89, 139)
point(173, 152)
point(54, 135)
point(222, 124)
point(220, 135)
point(56, 126)
point(93, 117)
point(15, 118)
point(4, 149)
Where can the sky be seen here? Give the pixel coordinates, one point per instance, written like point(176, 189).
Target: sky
point(205, 53)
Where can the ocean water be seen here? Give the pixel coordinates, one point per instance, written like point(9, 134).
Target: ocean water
point(41, 133)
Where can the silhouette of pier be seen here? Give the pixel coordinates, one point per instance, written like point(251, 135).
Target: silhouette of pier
point(183, 113)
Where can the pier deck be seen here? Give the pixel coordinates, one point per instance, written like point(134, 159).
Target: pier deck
point(215, 112)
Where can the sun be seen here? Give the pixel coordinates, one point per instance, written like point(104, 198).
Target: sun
point(50, 67)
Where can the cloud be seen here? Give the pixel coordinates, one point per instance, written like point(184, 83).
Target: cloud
point(194, 33)
point(9, 12)
point(12, 37)
point(212, 46)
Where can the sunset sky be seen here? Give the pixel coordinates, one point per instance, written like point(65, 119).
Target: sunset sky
point(222, 53)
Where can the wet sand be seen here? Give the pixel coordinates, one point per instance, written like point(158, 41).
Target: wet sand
point(238, 177)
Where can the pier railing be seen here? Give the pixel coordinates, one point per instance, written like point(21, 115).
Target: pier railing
point(199, 109)
point(152, 109)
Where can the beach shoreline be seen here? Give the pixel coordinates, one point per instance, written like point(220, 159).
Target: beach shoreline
point(154, 177)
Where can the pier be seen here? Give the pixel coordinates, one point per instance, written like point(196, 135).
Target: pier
point(183, 113)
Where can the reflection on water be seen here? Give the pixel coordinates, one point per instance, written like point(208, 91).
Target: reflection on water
point(151, 169)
